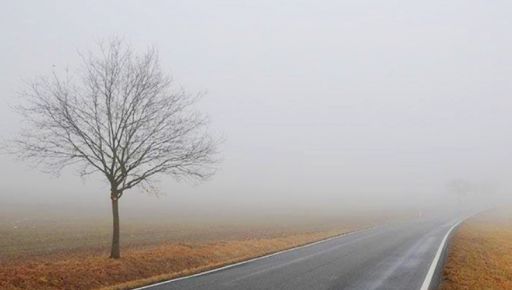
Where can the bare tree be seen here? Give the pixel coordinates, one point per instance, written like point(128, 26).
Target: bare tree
point(460, 187)
point(118, 115)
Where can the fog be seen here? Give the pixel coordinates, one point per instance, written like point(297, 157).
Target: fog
point(325, 106)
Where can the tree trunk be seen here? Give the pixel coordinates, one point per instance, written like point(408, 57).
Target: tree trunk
point(115, 252)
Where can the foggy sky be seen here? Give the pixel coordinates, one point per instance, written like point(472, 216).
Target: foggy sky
point(323, 104)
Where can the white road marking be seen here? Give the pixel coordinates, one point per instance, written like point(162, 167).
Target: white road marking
point(425, 285)
point(433, 266)
point(302, 258)
point(251, 260)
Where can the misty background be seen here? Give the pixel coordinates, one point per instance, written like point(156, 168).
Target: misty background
point(326, 106)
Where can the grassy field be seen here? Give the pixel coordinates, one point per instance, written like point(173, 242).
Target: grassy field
point(480, 255)
point(72, 253)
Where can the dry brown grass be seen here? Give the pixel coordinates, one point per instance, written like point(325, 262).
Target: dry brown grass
point(139, 266)
point(64, 253)
point(480, 255)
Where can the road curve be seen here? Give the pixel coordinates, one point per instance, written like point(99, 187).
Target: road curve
point(394, 256)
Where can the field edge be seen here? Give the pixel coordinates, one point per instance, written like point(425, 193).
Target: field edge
point(140, 284)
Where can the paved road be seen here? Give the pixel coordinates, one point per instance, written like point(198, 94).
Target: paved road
point(394, 256)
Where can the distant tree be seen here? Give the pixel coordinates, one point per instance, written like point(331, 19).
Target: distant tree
point(118, 115)
point(460, 188)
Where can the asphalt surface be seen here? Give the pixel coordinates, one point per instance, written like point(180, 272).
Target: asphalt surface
point(393, 256)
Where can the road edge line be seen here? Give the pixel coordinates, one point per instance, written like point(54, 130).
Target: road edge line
point(254, 259)
point(427, 283)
